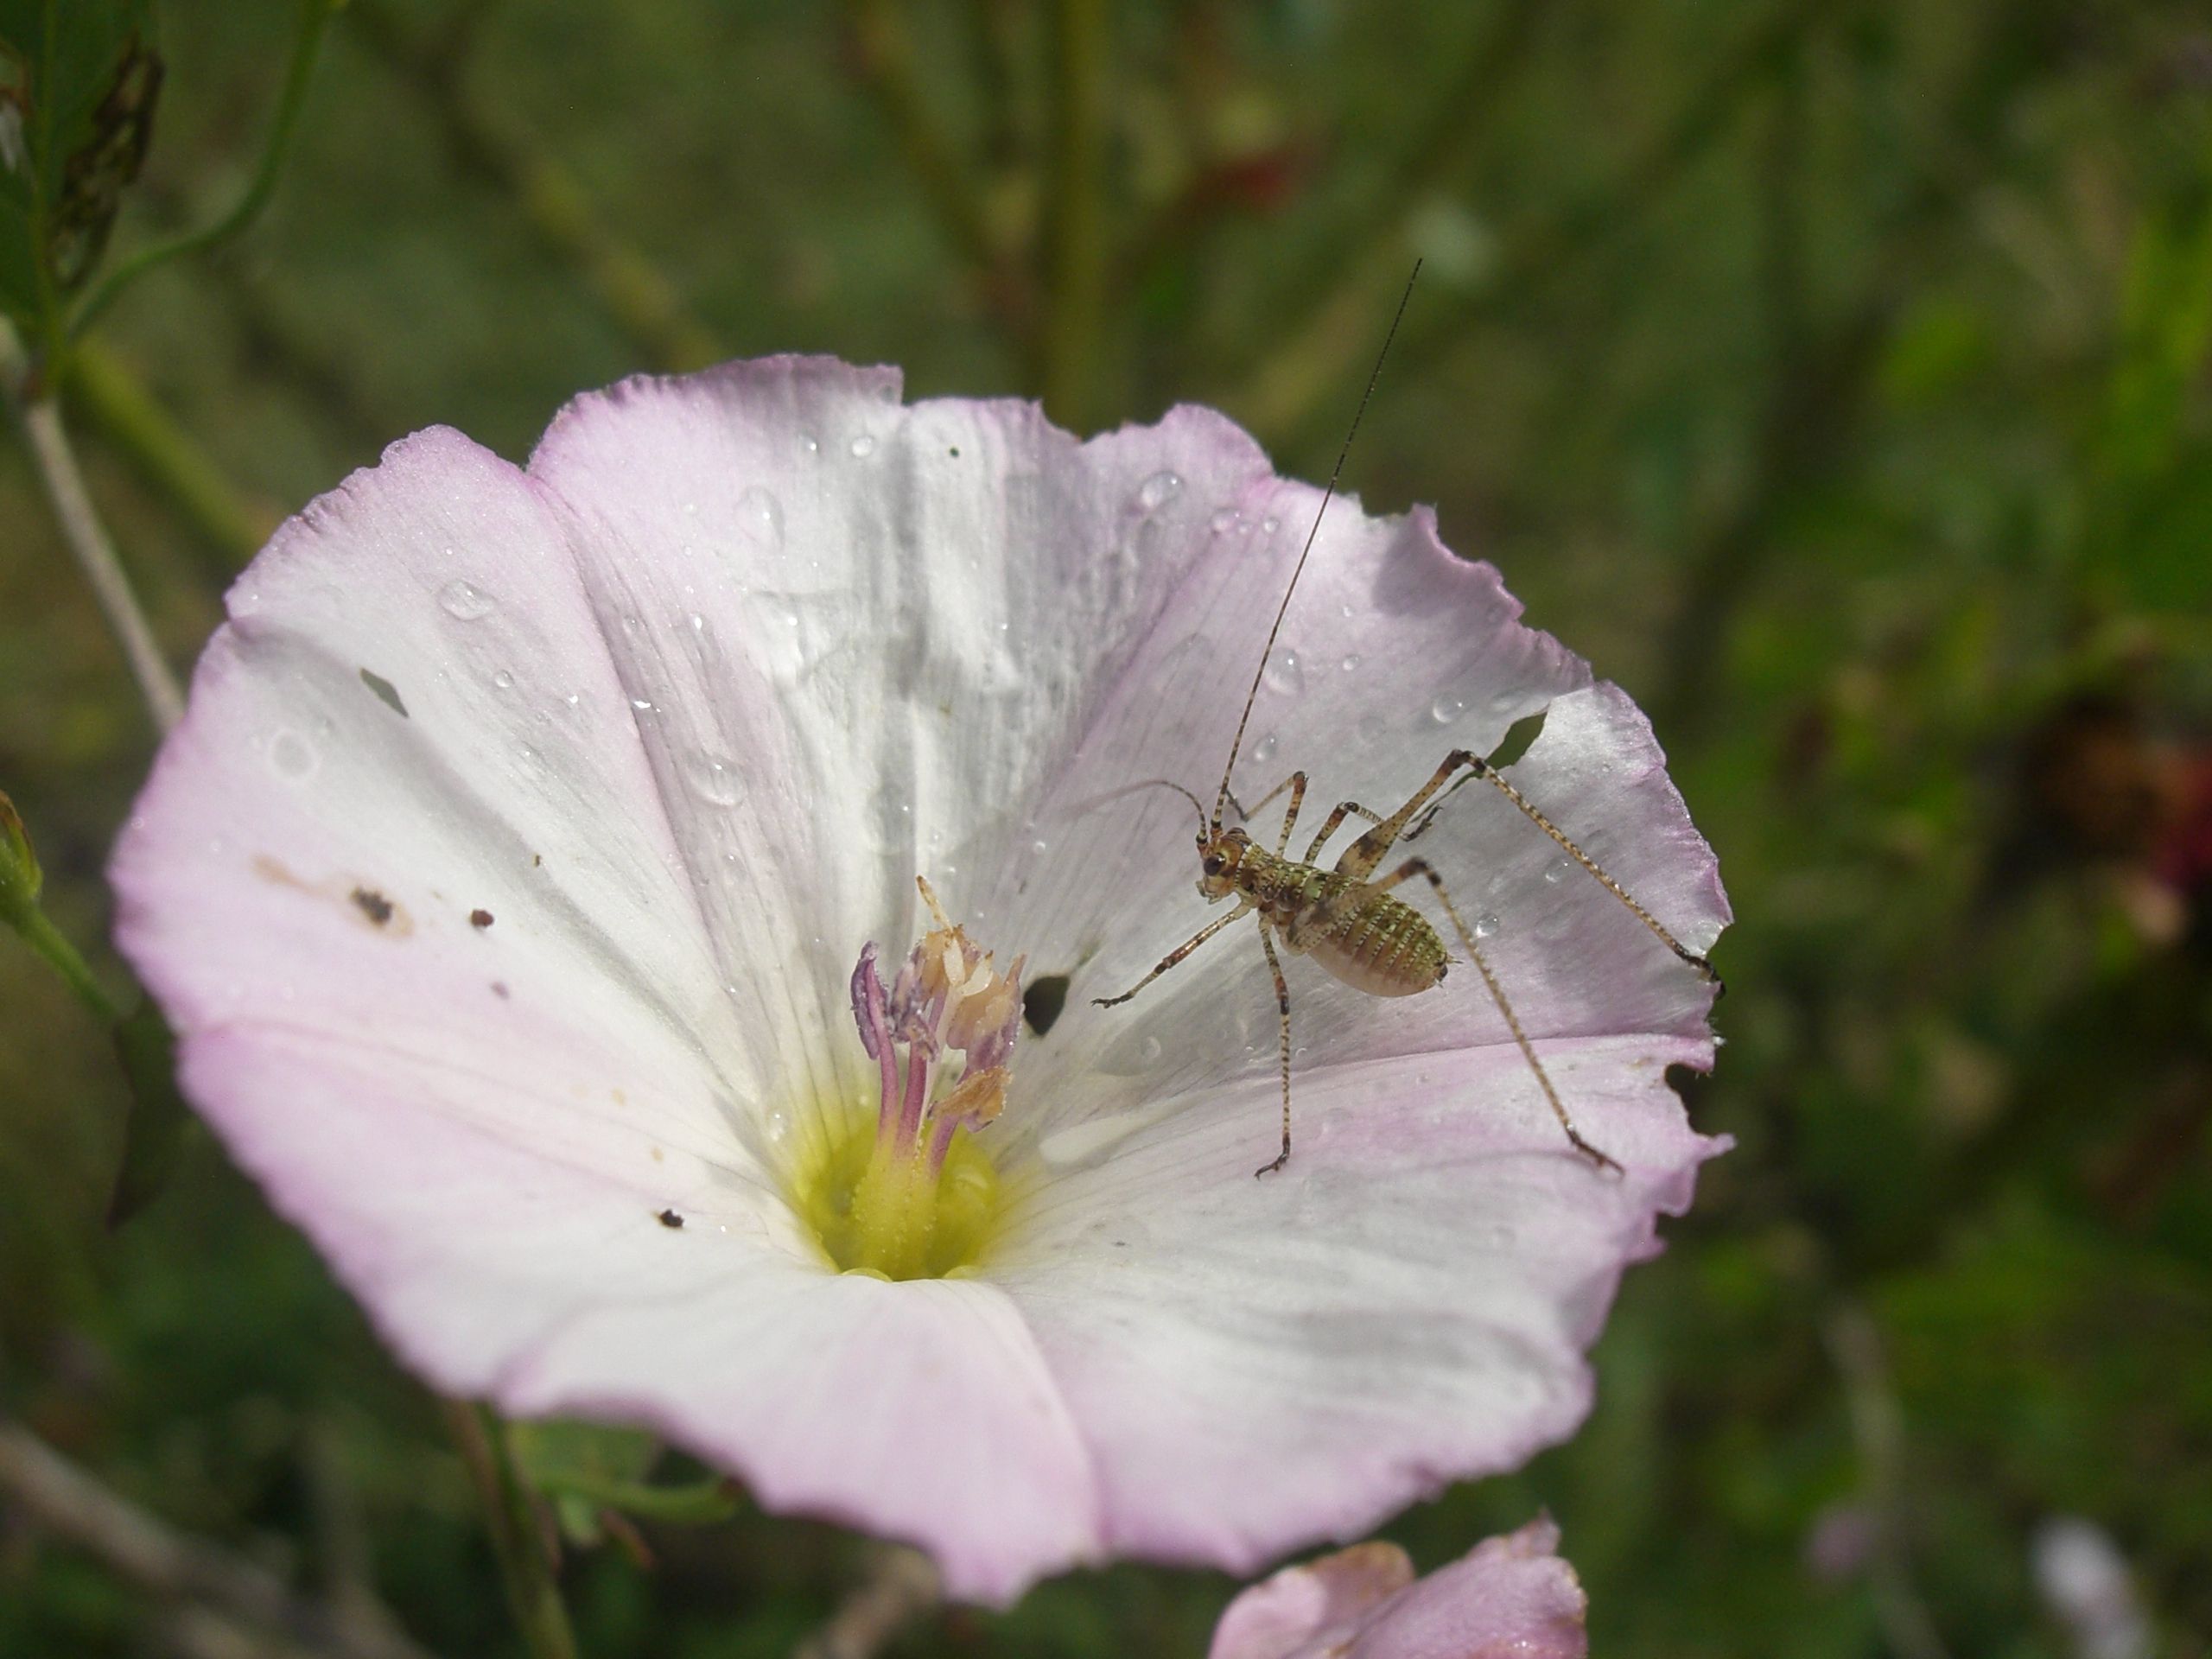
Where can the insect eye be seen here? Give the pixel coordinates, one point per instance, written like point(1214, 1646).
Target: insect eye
point(1212, 865)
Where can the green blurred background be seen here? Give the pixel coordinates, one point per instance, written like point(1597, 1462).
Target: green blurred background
point(1837, 377)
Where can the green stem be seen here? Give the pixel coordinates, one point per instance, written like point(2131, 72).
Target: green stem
point(886, 53)
point(1075, 242)
point(701, 1503)
point(225, 520)
point(48, 941)
point(87, 537)
point(315, 19)
point(533, 1591)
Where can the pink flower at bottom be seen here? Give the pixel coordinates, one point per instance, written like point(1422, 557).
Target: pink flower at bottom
point(505, 883)
point(1510, 1597)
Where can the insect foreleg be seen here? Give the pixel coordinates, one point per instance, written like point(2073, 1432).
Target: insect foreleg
point(1296, 785)
point(1344, 809)
point(1414, 866)
point(1282, 1006)
point(1175, 956)
point(1478, 767)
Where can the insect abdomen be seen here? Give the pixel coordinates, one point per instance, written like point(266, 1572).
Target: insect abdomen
point(1381, 947)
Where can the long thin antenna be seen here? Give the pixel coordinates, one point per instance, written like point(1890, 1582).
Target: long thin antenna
point(1298, 570)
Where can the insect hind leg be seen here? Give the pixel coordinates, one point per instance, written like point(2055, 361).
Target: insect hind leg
point(1477, 767)
point(1282, 1008)
point(1420, 867)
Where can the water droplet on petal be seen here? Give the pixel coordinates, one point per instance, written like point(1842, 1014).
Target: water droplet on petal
point(714, 780)
point(1556, 871)
point(1040, 847)
point(1486, 927)
point(465, 601)
point(1350, 663)
point(1270, 525)
point(1150, 1051)
point(643, 705)
point(862, 447)
point(1446, 709)
point(780, 1127)
point(1264, 750)
point(1226, 519)
point(292, 754)
point(1284, 673)
point(503, 680)
point(760, 516)
point(1159, 489)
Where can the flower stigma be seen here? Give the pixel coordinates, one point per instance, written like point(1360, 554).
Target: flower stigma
point(915, 1195)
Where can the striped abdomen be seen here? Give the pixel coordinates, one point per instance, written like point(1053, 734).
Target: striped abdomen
point(1371, 941)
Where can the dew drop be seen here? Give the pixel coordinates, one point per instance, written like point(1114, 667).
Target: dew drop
point(811, 447)
point(643, 705)
point(1226, 519)
point(1446, 709)
point(1485, 927)
point(1270, 525)
point(1350, 663)
point(1284, 673)
point(1556, 871)
point(1159, 489)
point(1264, 750)
point(503, 680)
point(464, 600)
point(761, 517)
point(291, 755)
point(1040, 847)
point(780, 1127)
point(1151, 1051)
point(862, 447)
point(714, 780)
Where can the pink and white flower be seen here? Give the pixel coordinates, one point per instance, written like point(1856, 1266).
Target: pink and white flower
point(506, 881)
point(1509, 1597)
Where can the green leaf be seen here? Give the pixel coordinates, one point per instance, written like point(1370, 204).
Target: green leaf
point(154, 1133)
point(78, 83)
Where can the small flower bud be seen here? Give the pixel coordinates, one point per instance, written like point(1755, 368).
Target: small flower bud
point(20, 875)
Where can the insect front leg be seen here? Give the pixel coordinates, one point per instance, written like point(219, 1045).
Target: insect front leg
point(1414, 866)
point(1478, 767)
point(1296, 785)
point(1174, 957)
point(1282, 1008)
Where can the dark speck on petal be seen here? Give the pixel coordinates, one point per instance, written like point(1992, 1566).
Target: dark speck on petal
point(479, 919)
point(670, 1218)
point(374, 904)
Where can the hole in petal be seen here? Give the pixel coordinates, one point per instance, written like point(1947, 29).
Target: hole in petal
point(1042, 1001)
point(1518, 737)
point(387, 693)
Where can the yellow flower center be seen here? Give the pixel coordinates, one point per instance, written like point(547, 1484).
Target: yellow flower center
point(912, 1193)
point(878, 1210)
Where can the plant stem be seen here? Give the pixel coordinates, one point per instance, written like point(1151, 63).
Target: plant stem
point(87, 537)
point(230, 523)
point(885, 51)
point(533, 1591)
point(49, 942)
point(701, 1503)
point(306, 45)
point(1075, 251)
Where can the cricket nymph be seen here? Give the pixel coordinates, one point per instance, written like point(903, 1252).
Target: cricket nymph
point(1374, 943)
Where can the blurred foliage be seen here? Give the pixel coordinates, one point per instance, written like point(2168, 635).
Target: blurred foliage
point(1837, 377)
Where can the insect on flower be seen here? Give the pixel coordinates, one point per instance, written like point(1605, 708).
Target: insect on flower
point(1347, 918)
